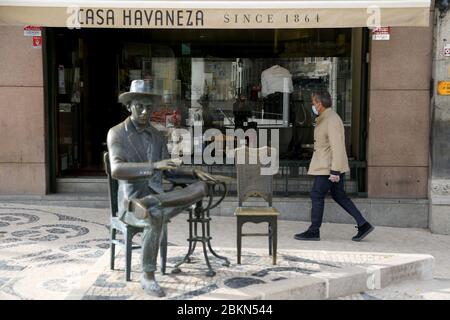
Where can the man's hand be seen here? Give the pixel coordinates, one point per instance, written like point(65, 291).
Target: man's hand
point(204, 176)
point(334, 178)
point(167, 164)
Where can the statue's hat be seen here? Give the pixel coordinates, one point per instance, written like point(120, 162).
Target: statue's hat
point(139, 89)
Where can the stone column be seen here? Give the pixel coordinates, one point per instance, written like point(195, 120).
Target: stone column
point(439, 181)
point(399, 114)
point(22, 122)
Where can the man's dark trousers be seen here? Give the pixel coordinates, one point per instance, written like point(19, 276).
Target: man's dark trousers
point(320, 189)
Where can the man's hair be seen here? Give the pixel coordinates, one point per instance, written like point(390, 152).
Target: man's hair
point(323, 97)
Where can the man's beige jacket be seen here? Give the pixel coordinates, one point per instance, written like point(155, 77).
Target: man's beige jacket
point(329, 145)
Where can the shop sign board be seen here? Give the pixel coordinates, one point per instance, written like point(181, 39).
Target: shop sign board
point(209, 14)
point(444, 88)
point(381, 33)
point(32, 31)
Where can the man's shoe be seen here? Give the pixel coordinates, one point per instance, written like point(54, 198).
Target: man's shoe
point(308, 235)
point(363, 231)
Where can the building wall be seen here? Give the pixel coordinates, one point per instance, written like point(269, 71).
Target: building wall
point(399, 113)
point(439, 193)
point(22, 138)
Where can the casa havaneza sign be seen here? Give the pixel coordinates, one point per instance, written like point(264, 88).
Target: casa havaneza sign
point(176, 18)
point(141, 17)
point(342, 16)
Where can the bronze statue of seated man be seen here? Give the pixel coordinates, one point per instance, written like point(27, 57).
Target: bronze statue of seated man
point(139, 159)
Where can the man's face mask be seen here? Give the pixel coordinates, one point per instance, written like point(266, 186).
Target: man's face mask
point(314, 110)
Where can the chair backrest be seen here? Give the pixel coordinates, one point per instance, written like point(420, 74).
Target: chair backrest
point(250, 181)
point(113, 186)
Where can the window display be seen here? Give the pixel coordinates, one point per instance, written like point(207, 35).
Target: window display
point(69, 80)
point(222, 93)
point(221, 79)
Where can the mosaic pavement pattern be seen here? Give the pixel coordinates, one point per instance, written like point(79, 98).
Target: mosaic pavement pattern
point(192, 282)
point(45, 253)
point(62, 253)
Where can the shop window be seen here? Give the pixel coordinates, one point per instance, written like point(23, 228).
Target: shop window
point(260, 79)
point(230, 79)
point(68, 102)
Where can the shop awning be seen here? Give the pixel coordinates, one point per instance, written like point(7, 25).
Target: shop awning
point(230, 14)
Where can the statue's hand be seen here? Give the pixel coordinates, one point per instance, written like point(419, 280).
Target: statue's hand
point(167, 164)
point(205, 176)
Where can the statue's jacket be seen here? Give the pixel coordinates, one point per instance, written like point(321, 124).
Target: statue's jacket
point(132, 154)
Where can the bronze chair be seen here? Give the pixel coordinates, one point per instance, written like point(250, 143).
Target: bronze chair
point(128, 231)
point(251, 183)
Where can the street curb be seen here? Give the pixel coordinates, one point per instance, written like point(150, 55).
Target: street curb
point(323, 285)
point(326, 285)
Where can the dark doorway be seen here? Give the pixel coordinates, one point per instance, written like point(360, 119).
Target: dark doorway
point(87, 73)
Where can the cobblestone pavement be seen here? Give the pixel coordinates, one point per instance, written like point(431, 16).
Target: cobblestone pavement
point(192, 282)
point(46, 251)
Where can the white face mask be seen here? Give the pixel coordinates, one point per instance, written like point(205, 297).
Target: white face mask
point(314, 109)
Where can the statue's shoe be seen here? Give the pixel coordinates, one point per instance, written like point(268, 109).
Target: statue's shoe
point(152, 287)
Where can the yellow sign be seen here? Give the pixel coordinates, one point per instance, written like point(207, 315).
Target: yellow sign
point(444, 88)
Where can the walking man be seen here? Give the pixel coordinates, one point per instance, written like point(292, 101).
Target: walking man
point(328, 166)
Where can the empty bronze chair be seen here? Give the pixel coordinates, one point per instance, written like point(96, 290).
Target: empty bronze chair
point(250, 183)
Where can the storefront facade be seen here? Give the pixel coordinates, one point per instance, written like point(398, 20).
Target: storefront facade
point(59, 101)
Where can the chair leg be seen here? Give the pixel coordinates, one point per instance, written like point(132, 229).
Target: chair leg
point(270, 238)
point(239, 240)
point(163, 249)
point(128, 236)
point(113, 247)
point(274, 240)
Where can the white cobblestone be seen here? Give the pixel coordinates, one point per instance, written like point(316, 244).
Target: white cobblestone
point(335, 247)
